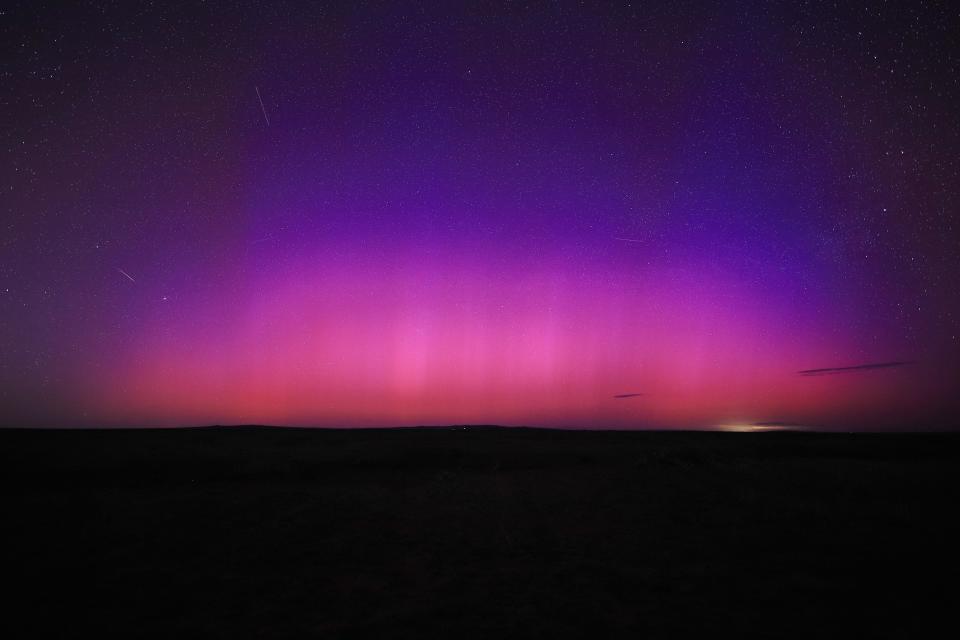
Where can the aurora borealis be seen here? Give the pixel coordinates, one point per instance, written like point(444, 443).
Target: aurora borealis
point(550, 214)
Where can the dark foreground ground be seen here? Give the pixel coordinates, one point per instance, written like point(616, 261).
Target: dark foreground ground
point(485, 533)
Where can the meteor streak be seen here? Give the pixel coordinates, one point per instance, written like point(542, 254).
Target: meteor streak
point(262, 108)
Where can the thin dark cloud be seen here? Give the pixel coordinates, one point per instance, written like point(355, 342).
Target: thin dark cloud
point(827, 371)
point(621, 396)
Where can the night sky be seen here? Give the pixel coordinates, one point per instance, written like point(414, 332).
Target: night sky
point(636, 215)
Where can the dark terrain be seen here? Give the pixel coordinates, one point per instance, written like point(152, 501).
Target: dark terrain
point(479, 533)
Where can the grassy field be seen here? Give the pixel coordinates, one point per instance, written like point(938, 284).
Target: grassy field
point(485, 533)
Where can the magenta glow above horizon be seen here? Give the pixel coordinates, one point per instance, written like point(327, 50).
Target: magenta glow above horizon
point(375, 341)
point(589, 225)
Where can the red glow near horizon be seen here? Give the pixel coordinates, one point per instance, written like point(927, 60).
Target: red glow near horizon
point(342, 345)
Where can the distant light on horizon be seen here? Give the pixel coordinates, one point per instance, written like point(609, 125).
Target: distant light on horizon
point(759, 428)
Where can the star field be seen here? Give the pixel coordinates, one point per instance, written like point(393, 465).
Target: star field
point(353, 214)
